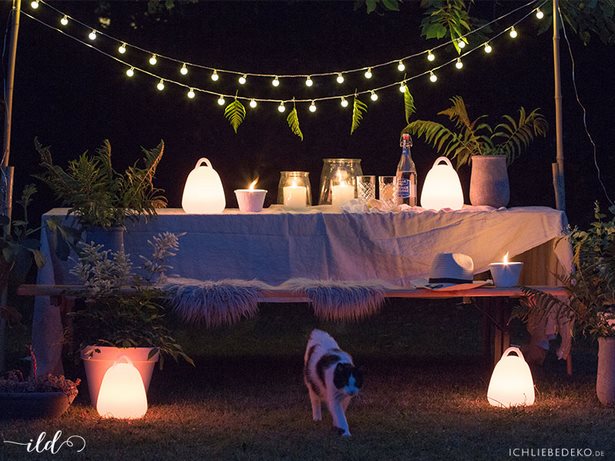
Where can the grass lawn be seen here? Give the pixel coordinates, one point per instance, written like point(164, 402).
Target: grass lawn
point(424, 397)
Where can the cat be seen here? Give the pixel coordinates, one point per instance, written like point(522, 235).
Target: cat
point(330, 376)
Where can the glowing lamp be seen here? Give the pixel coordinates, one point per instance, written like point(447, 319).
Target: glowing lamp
point(122, 393)
point(442, 188)
point(511, 382)
point(203, 192)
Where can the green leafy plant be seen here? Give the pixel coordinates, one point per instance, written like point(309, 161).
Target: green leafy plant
point(97, 194)
point(409, 107)
point(446, 17)
point(469, 137)
point(293, 123)
point(235, 113)
point(358, 109)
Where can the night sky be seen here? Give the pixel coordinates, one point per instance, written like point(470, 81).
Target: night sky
point(72, 97)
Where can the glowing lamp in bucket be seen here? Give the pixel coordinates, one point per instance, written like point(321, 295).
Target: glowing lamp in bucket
point(203, 192)
point(511, 382)
point(442, 188)
point(122, 393)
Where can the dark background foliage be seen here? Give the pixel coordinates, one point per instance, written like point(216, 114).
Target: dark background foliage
point(72, 97)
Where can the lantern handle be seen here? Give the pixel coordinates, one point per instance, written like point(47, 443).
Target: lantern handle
point(448, 162)
point(515, 350)
point(201, 160)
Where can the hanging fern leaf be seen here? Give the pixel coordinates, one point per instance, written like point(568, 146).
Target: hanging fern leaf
point(235, 113)
point(409, 107)
point(358, 109)
point(293, 123)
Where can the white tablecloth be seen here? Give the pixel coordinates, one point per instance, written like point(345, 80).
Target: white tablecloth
point(276, 245)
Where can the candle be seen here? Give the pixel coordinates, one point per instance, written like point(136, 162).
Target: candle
point(251, 199)
point(295, 196)
point(341, 193)
point(506, 273)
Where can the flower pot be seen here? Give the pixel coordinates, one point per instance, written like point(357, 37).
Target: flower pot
point(489, 181)
point(605, 380)
point(112, 238)
point(97, 363)
point(33, 404)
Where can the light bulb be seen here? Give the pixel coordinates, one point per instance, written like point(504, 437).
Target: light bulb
point(431, 56)
point(253, 104)
point(461, 44)
point(92, 35)
point(215, 76)
point(373, 96)
point(153, 60)
point(368, 73)
point(281, 107)
point(191, 93)
point(276, 82)
point(221, 100)
point(64, 20)
point(243, 79)
point(34, 4)
point(433, 77)
point(344, 102)
point(513, 32)
point(539, 13)
point(459, 64)
point(401, 66)
point(488, 48)
point(130, 72)
point(184, 70)
point(309, 81)
point(313, 107)
point(122, 48)
point(402, 87)
point(340, 78)
point(160, 85)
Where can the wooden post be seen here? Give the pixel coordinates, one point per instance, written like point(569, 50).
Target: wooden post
point(558, 166)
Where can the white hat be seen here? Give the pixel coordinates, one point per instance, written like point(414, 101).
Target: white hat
point(452, 271)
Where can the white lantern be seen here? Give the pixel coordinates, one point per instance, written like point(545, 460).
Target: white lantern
point(203, 193)
point(122, 393)
point(442, 188)
point(511, 382)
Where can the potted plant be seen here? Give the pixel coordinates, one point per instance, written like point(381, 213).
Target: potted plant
point(591, 302)
point(100, 198)
point(123, 314)
point(490, 149)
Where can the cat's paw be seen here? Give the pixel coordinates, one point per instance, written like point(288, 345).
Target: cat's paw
point(317, 417)
point(343, 432)
point(346, 434)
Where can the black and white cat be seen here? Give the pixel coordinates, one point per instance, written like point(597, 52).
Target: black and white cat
point(330, 376)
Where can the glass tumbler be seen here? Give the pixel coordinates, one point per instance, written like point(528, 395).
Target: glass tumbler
point(294, 189)
point(366, 187)
point(339, 173)
point(387, 189)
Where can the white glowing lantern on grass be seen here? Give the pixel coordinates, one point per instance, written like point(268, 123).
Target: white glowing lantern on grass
point(122, 393)
point(442, 188)
point(511, 382)
point(203, 193)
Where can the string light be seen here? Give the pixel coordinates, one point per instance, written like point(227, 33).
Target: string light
point(513, 32)
point(243, 79)
point(153, 60)
point(313, 107)
point(344, 102)
point(253, 103)
point(64, 20)
point(431, 56)
point(309, 82)
point(215, 76)
point(433, 77)
point(34, 4)
point(401, 66)
point(276, 82)
point(221, 100)
point(368, 73)
point(402, 87)
point(160, 85)
point(92, 35)
point(488, 48)
point(122, 48)
point(340, 78)
point(281, 107)
point(130, 72)
point(459, 64)
point(373, 96)
point(184, 69)
point(461, 44)
point(539, 13)
point(191, 94)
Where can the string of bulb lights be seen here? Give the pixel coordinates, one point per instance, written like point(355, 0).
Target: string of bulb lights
point(368, 71)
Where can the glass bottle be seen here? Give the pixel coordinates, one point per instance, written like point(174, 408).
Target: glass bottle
point(406, 178)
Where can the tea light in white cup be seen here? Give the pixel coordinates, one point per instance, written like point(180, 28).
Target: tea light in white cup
point(251, 199)
point(507, 273)
point(295, 196)
point(341, 193)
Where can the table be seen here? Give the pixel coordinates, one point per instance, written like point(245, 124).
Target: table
point(322, 243)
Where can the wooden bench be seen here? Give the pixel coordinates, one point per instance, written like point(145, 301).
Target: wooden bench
point(496, 313)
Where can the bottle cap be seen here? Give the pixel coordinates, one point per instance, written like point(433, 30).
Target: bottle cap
point(405, 139)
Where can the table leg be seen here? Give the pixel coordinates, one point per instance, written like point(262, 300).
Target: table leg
point(501, 340)
point(487, 330)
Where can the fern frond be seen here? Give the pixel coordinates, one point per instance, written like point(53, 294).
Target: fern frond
point(518, 134)
point(409, 107)
point(293, 123)
point(235, 113)
point(358, 109)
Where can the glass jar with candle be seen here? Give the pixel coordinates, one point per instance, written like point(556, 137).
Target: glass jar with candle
point(339, 175)
point(294, 189)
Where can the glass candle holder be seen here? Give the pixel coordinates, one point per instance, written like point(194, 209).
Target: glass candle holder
point(338, 177)
point(294, 189)
point(366, 188)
